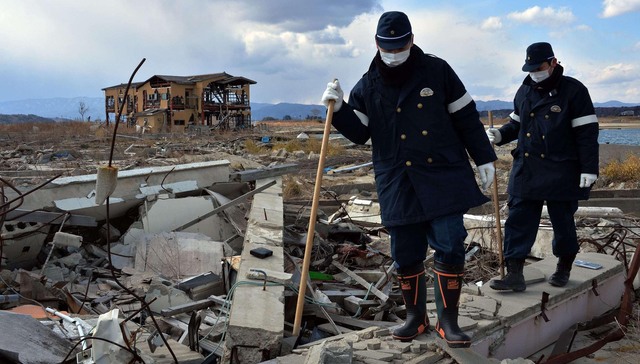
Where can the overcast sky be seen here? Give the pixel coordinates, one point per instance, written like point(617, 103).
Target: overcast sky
point(71, 48)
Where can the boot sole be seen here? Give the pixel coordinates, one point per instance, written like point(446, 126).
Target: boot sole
point(409, 338)
point(503, 288)
point(458, 344)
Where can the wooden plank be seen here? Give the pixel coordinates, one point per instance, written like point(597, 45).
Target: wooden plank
point(359, 324)
point(50, 218)
point(256, 174)
point(362, 281)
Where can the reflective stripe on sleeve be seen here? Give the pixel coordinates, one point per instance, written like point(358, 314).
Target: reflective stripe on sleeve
point(584, 121)
point(459, 103)
point(364, 119)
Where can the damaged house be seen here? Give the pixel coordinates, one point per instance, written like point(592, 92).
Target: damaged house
point(164, 104)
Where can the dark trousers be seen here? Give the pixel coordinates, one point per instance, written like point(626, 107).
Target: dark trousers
point(521, 227)
point(445, 235)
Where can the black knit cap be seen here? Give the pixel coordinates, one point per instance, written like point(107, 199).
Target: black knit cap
point(394, 30)
point(537, 54)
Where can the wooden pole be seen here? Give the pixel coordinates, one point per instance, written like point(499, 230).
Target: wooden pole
point(496, 207)
point(312, 221)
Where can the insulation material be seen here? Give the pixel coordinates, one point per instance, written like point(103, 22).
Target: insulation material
point(66, 239)
point(106, 182)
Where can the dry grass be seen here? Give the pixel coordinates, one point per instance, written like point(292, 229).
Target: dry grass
point(252, 147)
point(291, 187)
point(622, 171)
point(308, 146)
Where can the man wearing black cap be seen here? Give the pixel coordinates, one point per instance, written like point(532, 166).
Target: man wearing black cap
point(422, 123)
point(555, 160)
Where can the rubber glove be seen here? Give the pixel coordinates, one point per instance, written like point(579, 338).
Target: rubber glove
point(333, 92)
point(587, 179)
point(486, 171)
point(494, 135)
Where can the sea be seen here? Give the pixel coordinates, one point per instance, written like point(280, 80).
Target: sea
point(619, 136)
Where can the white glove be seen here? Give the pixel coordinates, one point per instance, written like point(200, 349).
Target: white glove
point(587, 179)
point(494, 135)
point(333, 92)
point(486, 171)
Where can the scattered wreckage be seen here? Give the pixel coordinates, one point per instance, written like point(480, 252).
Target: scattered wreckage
point(193, 263)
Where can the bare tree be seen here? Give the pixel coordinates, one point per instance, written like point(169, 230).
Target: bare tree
point(82, 109)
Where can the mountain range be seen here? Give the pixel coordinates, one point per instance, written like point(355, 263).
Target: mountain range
point(68, 108)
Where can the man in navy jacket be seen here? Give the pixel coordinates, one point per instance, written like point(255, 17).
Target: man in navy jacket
point(422, 123)
point(555, 160)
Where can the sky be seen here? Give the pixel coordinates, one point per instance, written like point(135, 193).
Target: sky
point(75, 48)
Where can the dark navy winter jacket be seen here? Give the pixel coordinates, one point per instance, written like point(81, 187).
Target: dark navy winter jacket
point(420, 133)
point(557, 134)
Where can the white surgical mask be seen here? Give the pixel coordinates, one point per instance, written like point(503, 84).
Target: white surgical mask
point(394, 59)
point(539, 76)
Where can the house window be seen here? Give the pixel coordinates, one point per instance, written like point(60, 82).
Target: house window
point(178, 122)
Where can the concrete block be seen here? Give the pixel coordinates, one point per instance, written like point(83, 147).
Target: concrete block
point(523, 330)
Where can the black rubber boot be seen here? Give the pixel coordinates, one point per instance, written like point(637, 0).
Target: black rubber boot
point(514, 280)
point(448, 284)
point(563, 270)
point(414, 293)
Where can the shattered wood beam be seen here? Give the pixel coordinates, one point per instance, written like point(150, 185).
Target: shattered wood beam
point(256, 174)
point(359, 324)
point(226, 206)
point(362, 281)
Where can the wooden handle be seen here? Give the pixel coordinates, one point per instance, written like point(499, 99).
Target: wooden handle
point(312, 220)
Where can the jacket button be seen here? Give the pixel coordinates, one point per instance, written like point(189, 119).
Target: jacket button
point(424, 132)
point(403, 137)
point(420, 106)
point(526, 154)
point(528, 135)
point(398, 110)
point(408, 163)
point(532, 114)
point(543, 137)
point(541, 155)
point(429, 160)
point(546, 116)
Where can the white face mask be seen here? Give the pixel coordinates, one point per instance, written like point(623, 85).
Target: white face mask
point(539, 76)
point(394, 59)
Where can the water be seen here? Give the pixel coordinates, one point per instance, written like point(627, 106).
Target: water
point(619, 136)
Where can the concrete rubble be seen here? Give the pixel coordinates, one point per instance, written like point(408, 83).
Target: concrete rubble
point(199, 263)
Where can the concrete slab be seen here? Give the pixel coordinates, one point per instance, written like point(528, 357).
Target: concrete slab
point(522, 330)
point(177, 255)
point(256, 322)
point(129, 183)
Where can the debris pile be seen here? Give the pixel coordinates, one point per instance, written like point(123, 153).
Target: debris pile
point(182, 262)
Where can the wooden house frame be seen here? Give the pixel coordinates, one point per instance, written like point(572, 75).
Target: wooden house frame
point(175, 103)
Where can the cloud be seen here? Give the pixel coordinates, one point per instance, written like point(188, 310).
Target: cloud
point(617, 73)
point(491, 23)
point(548, 16)
point(303, 16)
point(613, 8)
point(584, 28)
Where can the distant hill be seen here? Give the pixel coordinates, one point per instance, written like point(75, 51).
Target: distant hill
point(67, 108)
point(21, 118)
point(259, 111)
point(56, 108)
